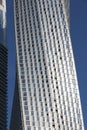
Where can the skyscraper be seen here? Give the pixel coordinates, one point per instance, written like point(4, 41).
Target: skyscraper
point(3, 67)
point(46, 93)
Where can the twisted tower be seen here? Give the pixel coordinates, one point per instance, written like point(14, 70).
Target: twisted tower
point(47, 95)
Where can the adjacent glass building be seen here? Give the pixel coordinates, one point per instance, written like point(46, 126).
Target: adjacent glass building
point(3, 67)
point(46, 93)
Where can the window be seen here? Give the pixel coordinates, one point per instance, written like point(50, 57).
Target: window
point(0, 2)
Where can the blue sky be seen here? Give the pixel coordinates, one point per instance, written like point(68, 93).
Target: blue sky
point(78, 22)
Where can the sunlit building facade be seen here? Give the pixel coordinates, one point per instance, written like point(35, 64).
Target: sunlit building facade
point(3, 67)
point(46, 86)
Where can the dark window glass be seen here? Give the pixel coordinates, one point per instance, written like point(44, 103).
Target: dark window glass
point(0, 2)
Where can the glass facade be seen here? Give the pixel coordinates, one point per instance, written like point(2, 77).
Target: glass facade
point(47, 81)
point(3, 87)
